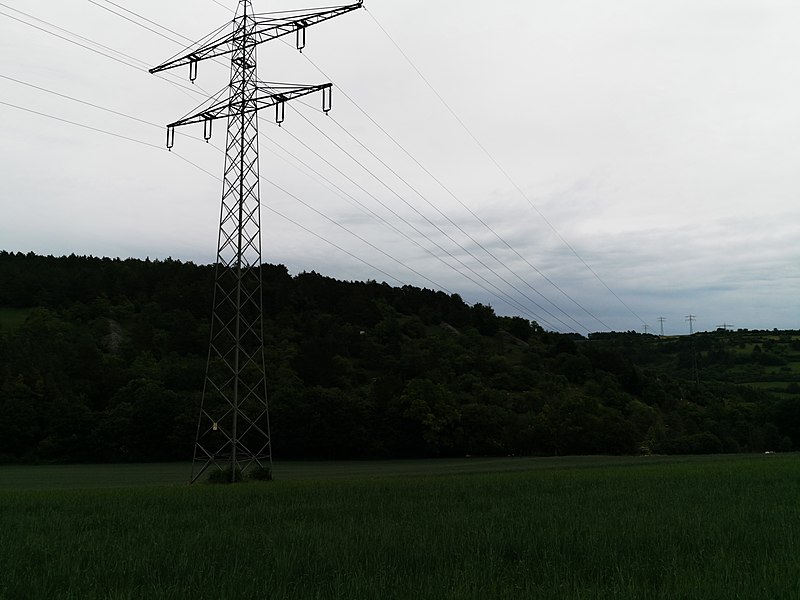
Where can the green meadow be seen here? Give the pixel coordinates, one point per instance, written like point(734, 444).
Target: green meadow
point(717, 527)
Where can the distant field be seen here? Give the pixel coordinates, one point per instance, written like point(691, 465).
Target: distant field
point(718, 527)
point(12, 318)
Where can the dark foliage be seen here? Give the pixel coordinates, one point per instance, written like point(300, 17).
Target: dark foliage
point(109, 362)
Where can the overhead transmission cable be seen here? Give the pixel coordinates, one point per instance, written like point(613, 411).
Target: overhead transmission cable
point(336, 189)
point(99, 130)
point(443, 232)
point(340, 226)
point(82, 125)
point(456, 198)
point(509, 300)
point(142, 66)
point(90, 104)
point(353, 200)
point(445, 216)
point(502, 295)
point(465, 233)
point(67, 97)
point(136, 22)
point(222, 5)
point(210, 174)
point(329, 242)
point(414, 159)
point(151, 22)
point(514, 304)
point(61, 36)
point(500, 167)
point(128, 138)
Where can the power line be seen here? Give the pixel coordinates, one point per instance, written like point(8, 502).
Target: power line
point(152, 124)
point(99, 130)
point(503, 297)
point(161, 148)
point(158, 33)
point(140, 67)
point(440, 230)
point(448, 236)
point(372, 213)
point(103, 131)
point(353, 200)
point(327, 241)
point(108, 110)
point(500, 167)
point(440, 247)
point(393, 228)
point(143, 18)
point(481, 221)
point(518, 305)
point(82, 125)
point(64, 38)
point(468, 235)
point(148, 144)
point(345, 195)
point(215, 177)
point(368, 243)
point(222, 5)
point(92, 105)
point(460, 202)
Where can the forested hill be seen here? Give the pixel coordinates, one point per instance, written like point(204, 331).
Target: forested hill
point(103, 360)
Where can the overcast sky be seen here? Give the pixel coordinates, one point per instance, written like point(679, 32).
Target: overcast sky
point(654, 141)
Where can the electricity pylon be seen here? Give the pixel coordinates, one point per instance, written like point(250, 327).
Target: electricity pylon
point(695, 369)
point(691, 319)
point(233, 426)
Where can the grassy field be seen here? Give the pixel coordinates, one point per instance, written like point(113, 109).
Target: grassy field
point(722, 527)
point(55, 477)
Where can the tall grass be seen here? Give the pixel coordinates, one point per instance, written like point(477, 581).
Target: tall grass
point(689, 529)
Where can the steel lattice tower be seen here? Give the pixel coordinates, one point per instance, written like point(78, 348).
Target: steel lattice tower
point(233, 426)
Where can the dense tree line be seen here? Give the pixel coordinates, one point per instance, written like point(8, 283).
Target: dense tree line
point(108, 365)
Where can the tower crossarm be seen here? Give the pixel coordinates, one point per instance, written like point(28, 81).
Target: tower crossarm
point(261, 27)
point(267, 95)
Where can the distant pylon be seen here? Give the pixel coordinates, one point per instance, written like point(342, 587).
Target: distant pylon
point(691, 319)
point(695, 368)
point(233, 427)
point(661, 322)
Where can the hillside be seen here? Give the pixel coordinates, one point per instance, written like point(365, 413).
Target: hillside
point(102, 360)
